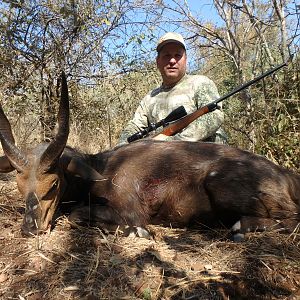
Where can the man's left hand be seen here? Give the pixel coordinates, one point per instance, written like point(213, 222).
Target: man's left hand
point(160, 137)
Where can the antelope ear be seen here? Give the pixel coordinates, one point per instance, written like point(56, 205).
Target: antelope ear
point(83, 170)
point(5, 166)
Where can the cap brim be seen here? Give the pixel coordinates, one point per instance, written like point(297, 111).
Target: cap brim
point(158, 48)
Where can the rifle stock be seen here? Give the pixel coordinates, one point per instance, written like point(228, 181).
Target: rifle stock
point(180, 124)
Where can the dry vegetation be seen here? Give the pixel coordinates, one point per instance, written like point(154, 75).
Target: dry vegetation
point(86, 263)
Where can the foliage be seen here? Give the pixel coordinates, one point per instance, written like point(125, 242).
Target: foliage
point(89, 39)
point(106, 46)
point(105, 107)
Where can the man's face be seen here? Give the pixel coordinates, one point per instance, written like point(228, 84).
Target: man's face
point(171, 63)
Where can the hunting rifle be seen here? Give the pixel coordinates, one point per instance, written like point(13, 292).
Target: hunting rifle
point(178, 119)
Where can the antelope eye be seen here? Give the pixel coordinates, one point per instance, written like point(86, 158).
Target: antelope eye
point(54, 185)
point(51, 190)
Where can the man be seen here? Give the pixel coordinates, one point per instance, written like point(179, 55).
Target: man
point(178, 88)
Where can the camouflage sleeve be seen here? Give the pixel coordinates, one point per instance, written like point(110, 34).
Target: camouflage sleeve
point(137, 123)
point(206, 125)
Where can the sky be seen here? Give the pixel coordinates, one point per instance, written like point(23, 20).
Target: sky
point(204, 8)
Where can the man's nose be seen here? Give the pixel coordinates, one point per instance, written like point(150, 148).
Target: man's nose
point(172, 61)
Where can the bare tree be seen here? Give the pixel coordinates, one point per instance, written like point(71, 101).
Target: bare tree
point(89, 39)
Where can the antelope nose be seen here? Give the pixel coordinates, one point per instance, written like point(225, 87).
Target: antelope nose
point(29, 226)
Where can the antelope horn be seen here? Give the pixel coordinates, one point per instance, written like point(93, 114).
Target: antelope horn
point(15, 156)
point(59, 142)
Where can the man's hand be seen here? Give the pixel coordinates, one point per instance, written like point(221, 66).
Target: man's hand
point(160, 137)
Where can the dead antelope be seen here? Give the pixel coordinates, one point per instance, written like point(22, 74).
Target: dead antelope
point(150, 182)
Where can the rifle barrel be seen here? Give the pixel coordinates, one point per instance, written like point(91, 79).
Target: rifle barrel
point(245, 85)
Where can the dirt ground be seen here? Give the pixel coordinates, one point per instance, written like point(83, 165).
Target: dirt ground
point(85, 263)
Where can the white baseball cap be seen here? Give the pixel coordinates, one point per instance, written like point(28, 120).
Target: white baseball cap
point(170, 37)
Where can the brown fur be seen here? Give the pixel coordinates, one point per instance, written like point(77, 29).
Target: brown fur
point(179, 183)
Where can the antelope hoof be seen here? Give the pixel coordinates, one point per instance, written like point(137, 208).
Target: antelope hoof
point(137, 232)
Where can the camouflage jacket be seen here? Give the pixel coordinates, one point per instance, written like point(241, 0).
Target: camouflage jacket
point(193, 92)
